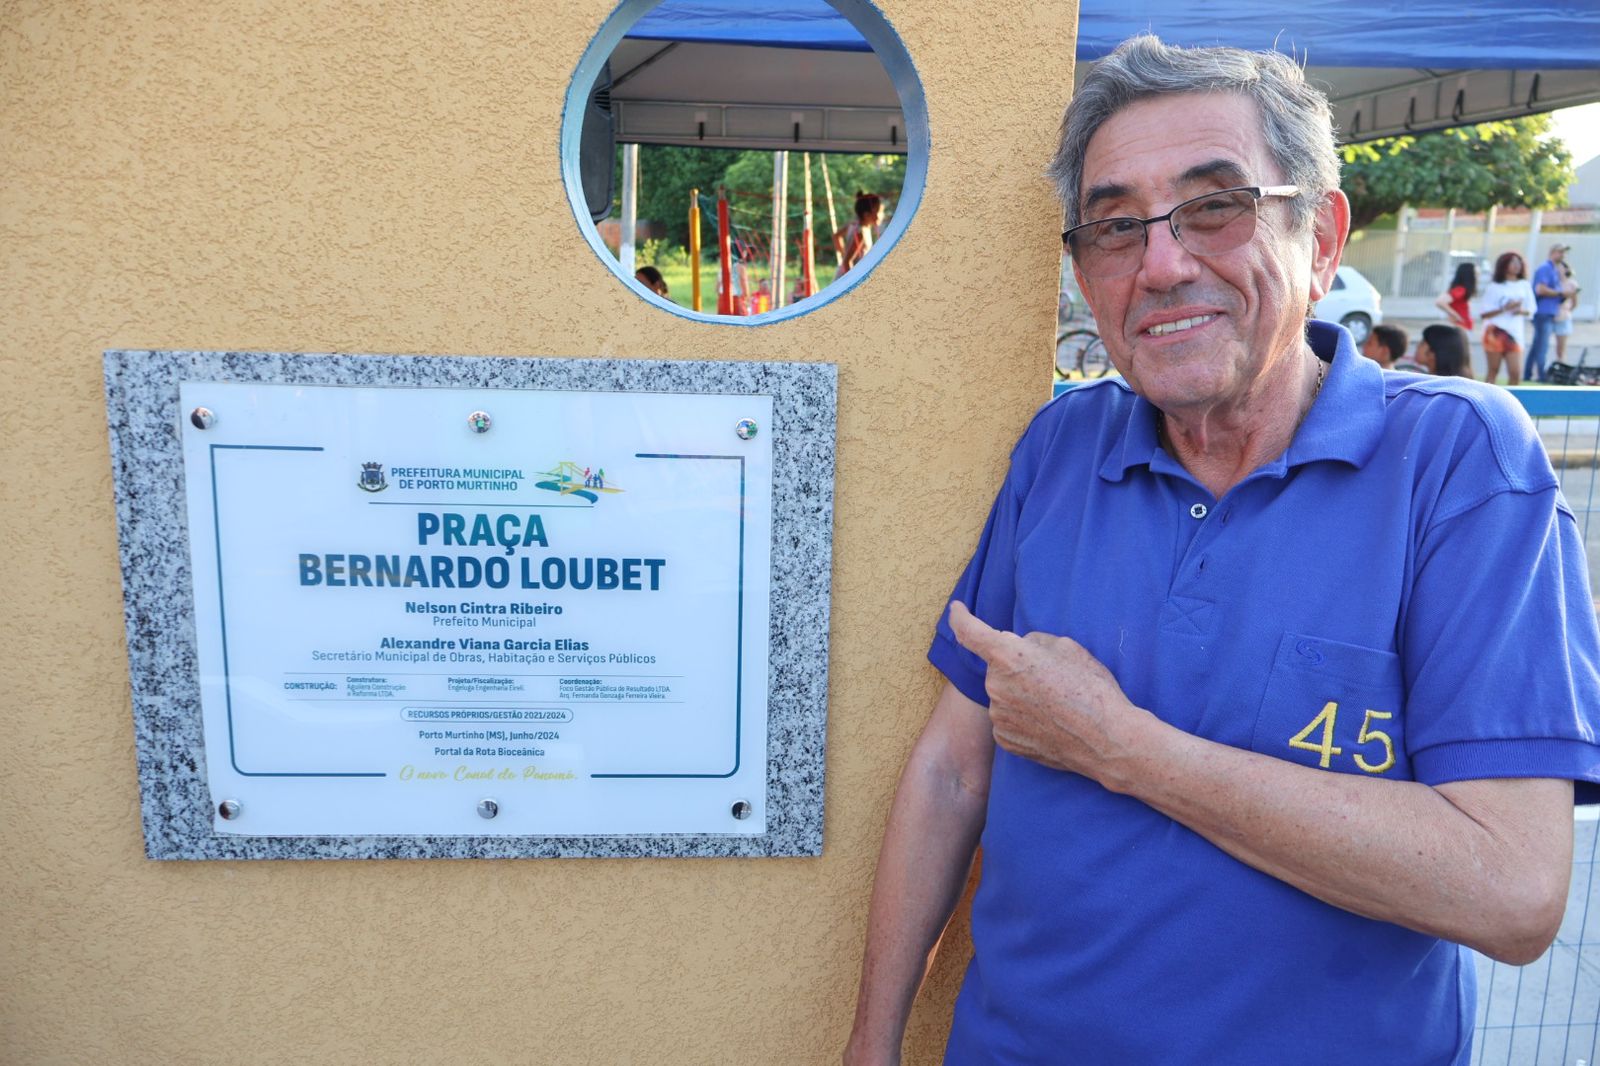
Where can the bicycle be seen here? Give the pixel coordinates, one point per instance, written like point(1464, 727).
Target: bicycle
point(1081, 351)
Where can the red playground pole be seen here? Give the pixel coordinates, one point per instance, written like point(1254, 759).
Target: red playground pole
point(808, 253)
point(724, 254)
point(808, 286)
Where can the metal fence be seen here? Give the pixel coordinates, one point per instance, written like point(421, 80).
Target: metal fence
point(1548, 1012)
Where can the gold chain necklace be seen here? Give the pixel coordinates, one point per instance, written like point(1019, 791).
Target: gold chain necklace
point(1316, 390)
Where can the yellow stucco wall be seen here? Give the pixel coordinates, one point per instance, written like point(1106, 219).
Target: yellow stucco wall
point(383, 177)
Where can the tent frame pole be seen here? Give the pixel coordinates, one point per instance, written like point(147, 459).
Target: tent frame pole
point(630, 207)
point(778, 258)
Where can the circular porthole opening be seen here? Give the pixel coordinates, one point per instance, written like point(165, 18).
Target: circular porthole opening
point(744, 161)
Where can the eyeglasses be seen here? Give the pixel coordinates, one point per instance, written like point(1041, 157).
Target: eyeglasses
point(1212, 224)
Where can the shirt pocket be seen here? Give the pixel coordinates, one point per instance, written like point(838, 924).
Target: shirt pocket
point(1334, 706)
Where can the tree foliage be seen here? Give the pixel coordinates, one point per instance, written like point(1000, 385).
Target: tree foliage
point(666, 174)
point(751, 179)
point(1515, 163)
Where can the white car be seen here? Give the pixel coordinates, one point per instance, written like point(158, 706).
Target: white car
point(1352, 302)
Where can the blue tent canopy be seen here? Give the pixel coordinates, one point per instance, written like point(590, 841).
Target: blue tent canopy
point(810, 24)
point(753, 74)
point(1389, 66)
point(1435, 35)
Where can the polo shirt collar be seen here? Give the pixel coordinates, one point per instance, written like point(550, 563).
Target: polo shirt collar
point(1344, 424)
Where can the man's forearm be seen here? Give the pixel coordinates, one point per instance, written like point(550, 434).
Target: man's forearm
point(1439, 860)
point(927, 852)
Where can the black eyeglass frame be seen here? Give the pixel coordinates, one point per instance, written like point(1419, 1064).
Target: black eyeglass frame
point(1259, 192)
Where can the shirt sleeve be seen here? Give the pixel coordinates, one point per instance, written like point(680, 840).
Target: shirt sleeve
point(988, 588)
point(1499, 642)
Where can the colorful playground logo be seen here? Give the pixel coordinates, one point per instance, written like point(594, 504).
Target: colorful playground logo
point(570, 479)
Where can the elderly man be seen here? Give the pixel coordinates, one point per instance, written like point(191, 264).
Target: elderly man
point(1271, 673)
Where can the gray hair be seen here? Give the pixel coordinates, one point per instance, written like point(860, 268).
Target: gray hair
point(1296, 120)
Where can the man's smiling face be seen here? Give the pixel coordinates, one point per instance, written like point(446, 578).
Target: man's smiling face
point(1194, 333)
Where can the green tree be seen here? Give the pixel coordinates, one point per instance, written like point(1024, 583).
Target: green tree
point(749, 182)
point(1515, 163)
point(666, 174)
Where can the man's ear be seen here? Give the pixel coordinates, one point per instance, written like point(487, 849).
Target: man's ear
point(1082, 288)
point(1329, 232)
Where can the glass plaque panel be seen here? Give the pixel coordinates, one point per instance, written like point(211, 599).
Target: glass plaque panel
point(410, 603)
point(399, 606)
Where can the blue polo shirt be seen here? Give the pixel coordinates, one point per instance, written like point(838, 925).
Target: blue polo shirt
point(1410, 563)
point(1548, 275)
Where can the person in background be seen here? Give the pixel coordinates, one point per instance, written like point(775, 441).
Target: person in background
point(1548, 297)
point(1457, 299)
point(1445, 351)
point(651, 278)
point(1386, 345)
point(1561, 328)
point(1506, 304)
point(855, 240)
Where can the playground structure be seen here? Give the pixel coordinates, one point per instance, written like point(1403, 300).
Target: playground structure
point(800, 77)
point(742, 246)
point(760, 237)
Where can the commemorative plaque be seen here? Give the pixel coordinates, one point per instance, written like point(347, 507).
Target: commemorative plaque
point(459, 619)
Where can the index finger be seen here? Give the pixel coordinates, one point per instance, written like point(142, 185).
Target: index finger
point(976, 635)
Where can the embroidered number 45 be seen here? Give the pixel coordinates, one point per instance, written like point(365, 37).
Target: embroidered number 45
point(1325, 747)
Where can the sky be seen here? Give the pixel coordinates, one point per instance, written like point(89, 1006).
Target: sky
point(1580, 128)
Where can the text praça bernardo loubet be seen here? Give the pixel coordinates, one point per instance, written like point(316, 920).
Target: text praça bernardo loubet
point(505, 531)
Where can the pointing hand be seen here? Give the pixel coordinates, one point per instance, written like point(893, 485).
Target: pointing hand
point(1049, 699)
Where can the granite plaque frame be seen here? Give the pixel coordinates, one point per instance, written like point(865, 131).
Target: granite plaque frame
point(150, 420)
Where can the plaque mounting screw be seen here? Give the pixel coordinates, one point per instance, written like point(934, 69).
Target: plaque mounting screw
point(742, 809)
point(203, 418)
point(230, 809)
point(488, 808)
point(746, 428)
point(480, 421)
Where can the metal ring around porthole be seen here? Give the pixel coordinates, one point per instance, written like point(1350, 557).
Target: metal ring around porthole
point(897, 64)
